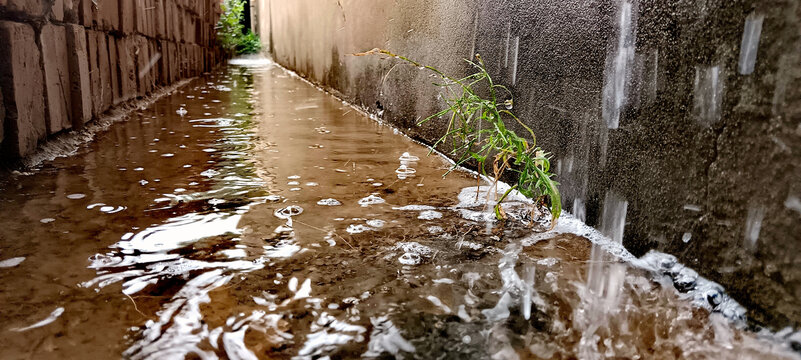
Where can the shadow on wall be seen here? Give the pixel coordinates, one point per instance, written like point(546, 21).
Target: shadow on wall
point(689, 111)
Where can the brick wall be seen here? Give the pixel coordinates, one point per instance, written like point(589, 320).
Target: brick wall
point(66, 62)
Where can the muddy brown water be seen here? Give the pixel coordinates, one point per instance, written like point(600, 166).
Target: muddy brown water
point(273, 221)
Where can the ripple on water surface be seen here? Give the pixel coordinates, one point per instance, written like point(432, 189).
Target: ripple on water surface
point(204, 250)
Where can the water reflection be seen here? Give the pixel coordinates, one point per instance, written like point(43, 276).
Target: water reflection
point(245, 243)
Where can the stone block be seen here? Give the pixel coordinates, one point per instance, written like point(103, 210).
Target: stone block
point(53, 39)
point(139, 10)
point(127, 16)
point(21, 81)
point(176, 23)
point(84, 12)
point(161, 25)
point(57, 10)
point(70, 11)
point(108, 15)
point(126, 54)
point(142, 68)
point(29, 7)
point(106, 92)
point(80, 85)
point(114, 70)
point(94, 73)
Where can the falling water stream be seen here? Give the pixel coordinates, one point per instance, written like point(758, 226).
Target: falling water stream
point(250, 215)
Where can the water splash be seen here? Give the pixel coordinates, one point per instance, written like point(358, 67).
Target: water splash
point(618, 70)
point(750, 43)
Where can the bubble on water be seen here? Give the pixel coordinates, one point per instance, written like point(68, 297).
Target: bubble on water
point(139, 169)
point(430, 215)
point(47, 220)
point(329, 202)
point(376, 223)
point(435, 229)
point(210, 173)
point(293, 183)
point(273, 197)
point(76, 196)
point(410, 259)
point(181, 111)
point(406, 157)
point(357, 228)
point(288, 212)
point(686, 237)
point(371, 199)
point(404, 172)
point(311, 183)
point(295, 189)
point(167, 155)
point(293, 177)
point(377, 184)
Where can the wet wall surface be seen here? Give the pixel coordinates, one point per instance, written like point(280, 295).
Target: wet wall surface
point(686, 110)
point(250, 215)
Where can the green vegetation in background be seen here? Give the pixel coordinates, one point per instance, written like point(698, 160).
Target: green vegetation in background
point(229, 30)
point(477, 130)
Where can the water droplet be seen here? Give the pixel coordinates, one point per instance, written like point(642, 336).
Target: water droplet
point(508, 104)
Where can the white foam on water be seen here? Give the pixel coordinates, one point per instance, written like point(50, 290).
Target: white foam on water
point(49, 319)
point(12, 262)
point(386, 338)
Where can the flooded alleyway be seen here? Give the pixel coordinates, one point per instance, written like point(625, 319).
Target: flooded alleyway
point(251, 215)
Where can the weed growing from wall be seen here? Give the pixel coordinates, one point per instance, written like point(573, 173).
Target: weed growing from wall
point(230, 33)
point(477, 131)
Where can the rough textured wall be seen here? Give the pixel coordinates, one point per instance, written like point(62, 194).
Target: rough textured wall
point(66, 62)
point(688, 110)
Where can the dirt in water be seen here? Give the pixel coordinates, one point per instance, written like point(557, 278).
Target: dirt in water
point(250, 215)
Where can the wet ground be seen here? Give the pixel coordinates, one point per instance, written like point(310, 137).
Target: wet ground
point(250, 215)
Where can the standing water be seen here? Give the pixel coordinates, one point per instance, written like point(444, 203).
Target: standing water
point(250, 215)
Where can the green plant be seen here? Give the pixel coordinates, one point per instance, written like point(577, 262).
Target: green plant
point(478, 131)
point(249, 44)
point(230, 30)
point(229, 27)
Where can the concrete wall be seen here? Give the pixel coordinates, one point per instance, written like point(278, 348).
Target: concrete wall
point(688, 110)
point(66, 62)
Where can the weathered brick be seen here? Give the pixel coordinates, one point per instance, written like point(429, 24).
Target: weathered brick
point(161, 26)
point(21, 81)
point(126, 53)
point(139, 10)
point(70, 11)
point(84, 12)
point(114, 69)
point(80, 85)
point(94, 73)
point(176, 22)
point(30, 7)
point(57, 10)
point(108, 14)
point(127, 16)
point(53, 39)
point(106, 93)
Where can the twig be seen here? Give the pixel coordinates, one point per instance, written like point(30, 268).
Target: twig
point(134, 304)
point(321, 230)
